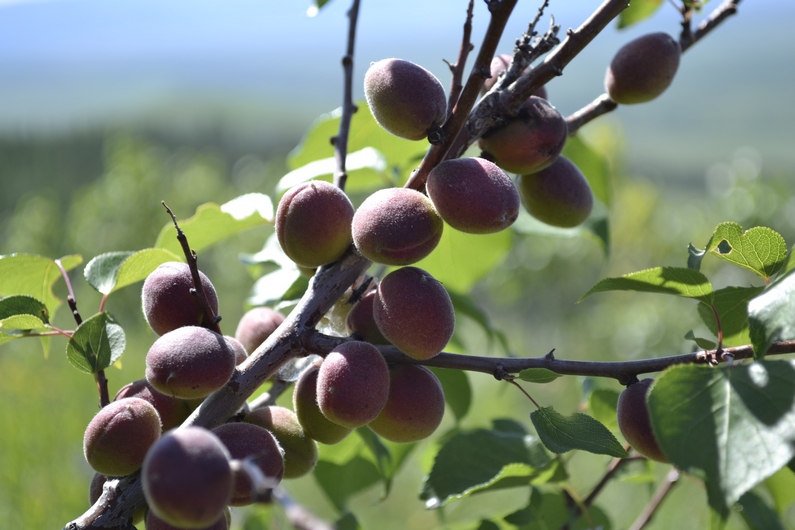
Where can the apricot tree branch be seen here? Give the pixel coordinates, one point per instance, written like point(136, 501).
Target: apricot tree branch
point(340, 141)
point(644, 518)
point(457, 69)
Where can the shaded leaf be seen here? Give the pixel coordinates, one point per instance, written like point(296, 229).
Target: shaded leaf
point(664, 280)
point(702, 343)
point(96, 344)
point(19, 305)
point(340, 481)
point(538, 375)
point(547, 510)
point(561, 434)
point(34, 276)
point(770, 315)
point(760, 249)
point(387, 456)
point(757, 514)
point(603, 403)
point(731, 304)
point(457, 390)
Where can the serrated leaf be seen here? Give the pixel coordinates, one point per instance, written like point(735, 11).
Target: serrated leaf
point(732, 427)
point(96, 344)
point(638, 11)
point(18, 305)
point(457, 390)
point(770, 315)
point(665, 280)
point(538, 375)
point(731, 304)
point(561, 434)
point(213, 223)
point(112, 271)
point(101, 271)
point(28, 274)
point(17, 323)
point(603, 403)
point(760, 249)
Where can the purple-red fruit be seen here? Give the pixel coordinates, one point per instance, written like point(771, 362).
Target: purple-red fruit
point(237, 347)
point(414, 312)
point(153, 522)
point(189, 362)
point(558, 195)
point(405, 98)
point(415, 406)
point(473, 195)
point(256, 325)
point(167, 300)
point(313, 223)
point(360, 320)
point(172, 411)
point(396, 226)
point(528, 142)
point(643, 68)
point(118, 437)
point(314, 423)
point(187, 478)
point(634, 423)
point(300, 451)
point(501, 63)
point(249, 441)
point(352, 384)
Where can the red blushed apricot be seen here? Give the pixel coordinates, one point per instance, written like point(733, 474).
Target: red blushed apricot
point(558, 195)
point(396, 226)
point(313, 223)
point(300, 451)
point(501, 63)
point(634, 423)
point(153, 522)
point(167, 300)
point(528, 142)
point(256, 325)
point(172, 411)
point(360, 320)
point(414, 312)
point(405, 98)
point(473, 195)
point(415, 406)
point(352, 384)
point(643, 69)
point(314, 423)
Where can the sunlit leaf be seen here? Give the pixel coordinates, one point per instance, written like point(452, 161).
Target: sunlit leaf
point(366, 170)
point(34, 276)
point(731, 304)
point(114, 270)
point(638, 11)
point(759, 249)
point(96, 344)
point(666, 280)
point(770, 315)
point(561, 434)
point(538, 375)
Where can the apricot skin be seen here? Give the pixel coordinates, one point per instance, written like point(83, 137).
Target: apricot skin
point(360, 320)
point(172, 411)
point(300, 451)
point(314, 423)
point(473, 195)
point(405, 99)
point(167, 300)
point(313, 223)
point(256, 325)
point(643, 69)
point(396, 226)
point(414, 312)
point(634, 423)
point(558, 195)
point(415, 406)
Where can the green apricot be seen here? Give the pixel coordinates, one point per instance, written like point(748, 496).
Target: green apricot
point(300, 451)
point(314, 423)
point(558, 195)
point(643, 69)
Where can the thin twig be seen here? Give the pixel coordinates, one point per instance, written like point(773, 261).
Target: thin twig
point(340, 142)
point(645, 517)
point(457, 69)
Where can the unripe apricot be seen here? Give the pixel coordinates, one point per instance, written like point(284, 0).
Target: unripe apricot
point(300, 451)
point(313, 223)
point(189, 362)
point(643, 68)
point(473, 195)
point(360, 320)
point(172, 411)
point(187, 479)
point(352, 384)
point(314, 423)
point(558, 195)
point(634, 423)
point(118, 437)
point(405, 98)
point(256, 325)
point(528, 142)
point(249, 441)
point(167, 300)
point(501, 63)
point(415, 406)
point(414, 312)
point(396, 226)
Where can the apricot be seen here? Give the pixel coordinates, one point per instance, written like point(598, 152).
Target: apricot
point(153, 522)
point(634, 423)
point(237, 347)
point(167, 300)
point(414, 312)
point(189, 362)
point(300, 451)
point(187, 479)
point(396, 226)
point(172, 411)
point(473, 195)
point(249, 441)
point(256, 325)
point(643, 68)
point(352, 384)
point(528, 142)
point(118, 437)
point(558, 195)
point(360, 320)
point(501, 63)
point(312, 420)
point(415, 406)
point(313, 223)
point(405, 99)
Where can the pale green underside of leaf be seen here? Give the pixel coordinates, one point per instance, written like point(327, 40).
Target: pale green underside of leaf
point(112, 271)
point(760, 249)
point(664, 280)
point(561, 434)
point(28, 274)
point(638, 11)
point(538, 375)
point(732, 306)
point(770, 314)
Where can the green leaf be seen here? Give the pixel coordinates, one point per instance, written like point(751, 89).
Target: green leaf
point(34, 276)
point(732, 427)
point(212, 223)
point(538, 375)
point(281, 284)
point(466, 305)
point(340, 481)
point(112, 271)
point(702, 343)
point(20, 305)
point(603, 403)
point(366, 170)
point(388, 457)
point(781, 486)
point(593, 165)
point(637, 11)
point(694, 257)
point(561, 434)
point(760, 249)
point(731, 304)
point(665, 280)
point(770, 315)
point(96, 344)
point(547, 511)
point(757, 514)
point(457, 390)
point(461, 260)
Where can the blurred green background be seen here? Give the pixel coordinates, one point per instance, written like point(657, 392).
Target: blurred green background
point(83, 179)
